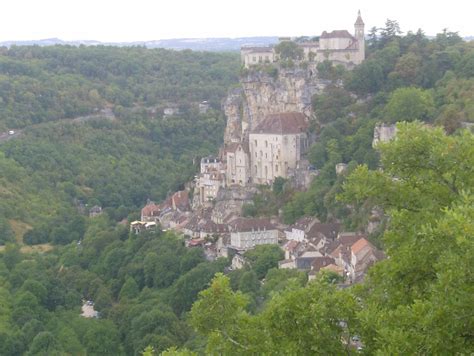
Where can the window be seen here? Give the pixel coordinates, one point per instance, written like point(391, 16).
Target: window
point(261, 153)
point(255, 169)
point(255, 141)
point(276, 168)
point(266, 144)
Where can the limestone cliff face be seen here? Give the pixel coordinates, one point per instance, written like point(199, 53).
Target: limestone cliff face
point(233, 111)
point(262, 94)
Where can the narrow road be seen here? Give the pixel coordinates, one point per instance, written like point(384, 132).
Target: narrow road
point(103, 114)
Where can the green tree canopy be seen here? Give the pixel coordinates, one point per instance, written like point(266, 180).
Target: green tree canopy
point(409, 104)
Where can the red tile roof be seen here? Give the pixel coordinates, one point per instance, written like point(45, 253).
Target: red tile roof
point(180, 200)
point(359, 245)
point(282, 123)
point(151, 209)
point(349, 238)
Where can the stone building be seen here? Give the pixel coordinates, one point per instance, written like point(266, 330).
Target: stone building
point(251, 56)
point(338, 46)
point(208, 185)
point(210, 179)
point(151, 212)
point(276, 145)
point(210, 162)
point(238, 165)
point(246, 233)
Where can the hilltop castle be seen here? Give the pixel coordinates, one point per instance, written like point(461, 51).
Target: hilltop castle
point(268, 117)
point(338, 46)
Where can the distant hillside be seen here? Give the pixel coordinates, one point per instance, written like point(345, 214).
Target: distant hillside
point(195, 44)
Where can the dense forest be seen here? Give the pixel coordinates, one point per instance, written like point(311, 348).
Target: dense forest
point(152, 293)
point(115, 162)
point(39, 84)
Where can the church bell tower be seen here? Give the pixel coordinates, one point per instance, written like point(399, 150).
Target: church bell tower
point(359, 35)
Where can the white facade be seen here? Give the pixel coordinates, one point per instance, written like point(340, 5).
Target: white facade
point(251, 56)
point(246, 240)
point(295, 234)
point(272, 155)
point(237, 166)
point(335, 43)
point(208, 185)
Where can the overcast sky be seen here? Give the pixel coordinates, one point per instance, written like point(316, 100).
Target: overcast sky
point(138, 20)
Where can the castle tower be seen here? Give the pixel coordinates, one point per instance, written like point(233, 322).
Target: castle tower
point(359, 35)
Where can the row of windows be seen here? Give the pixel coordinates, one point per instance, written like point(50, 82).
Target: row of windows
point(260, 58)
point(266, 155)
point(266, 142)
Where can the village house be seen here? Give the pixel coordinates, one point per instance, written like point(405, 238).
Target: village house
point(338, 46)
point(210, 179)
point(246, 233)
point(238, 164)
point(169, 214)
point(150, 212)
point(210, 163)
point(300, 228)
point(311, 230)
point(340, 249)
point(139, 226)
point(363, 255)
point(200, 225)
point(318, 264)
point(95, 211)
point(251, 56)
point(354, 254)
point(208, 185)
point(276, 145)
point(348, 254)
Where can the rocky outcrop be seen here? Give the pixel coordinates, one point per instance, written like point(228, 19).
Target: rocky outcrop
point(384, 133)
point(232, 108)
point(262, 93)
